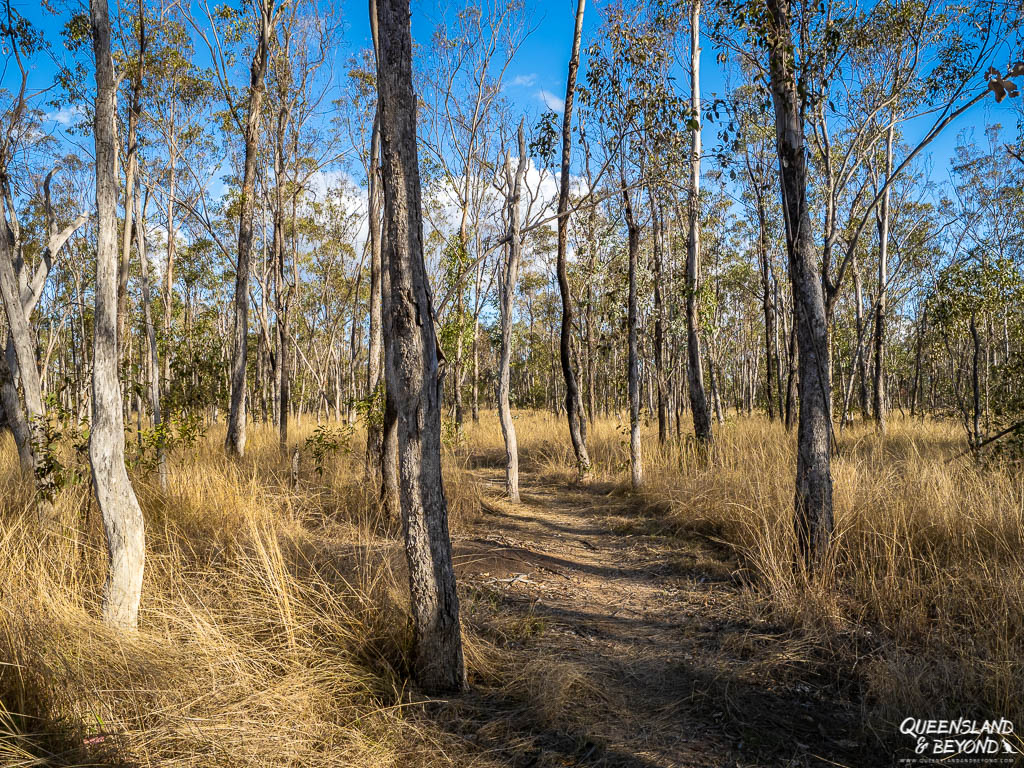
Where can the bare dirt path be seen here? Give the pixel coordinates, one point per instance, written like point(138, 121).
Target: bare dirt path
point(626, 645)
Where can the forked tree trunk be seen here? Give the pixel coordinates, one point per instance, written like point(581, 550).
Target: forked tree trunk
point(572, 395)
point(508, 275)
point(813, 520)
point(412, 367)
point(695, 372)
point(131, 170)
point(122, 517)
point(234, 442)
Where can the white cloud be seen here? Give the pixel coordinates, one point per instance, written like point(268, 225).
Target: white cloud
point(66, 115)
point(550, 100)
point(525, 81)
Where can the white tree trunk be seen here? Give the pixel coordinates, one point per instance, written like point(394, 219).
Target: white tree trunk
point(122, 517)
point(506, 288)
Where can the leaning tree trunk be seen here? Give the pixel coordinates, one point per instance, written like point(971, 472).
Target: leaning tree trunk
point(813, 520)
point(695, 372)
point(20, 359)
point(412, 366)
point(235, 440)
point(506, 286)
point(122, 517)
point(572, 395)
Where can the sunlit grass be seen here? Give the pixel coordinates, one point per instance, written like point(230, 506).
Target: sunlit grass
point(273, 628)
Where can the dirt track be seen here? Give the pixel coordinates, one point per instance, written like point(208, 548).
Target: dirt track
point(629, 645)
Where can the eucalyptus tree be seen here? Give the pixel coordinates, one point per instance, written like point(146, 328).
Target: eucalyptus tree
point(748, 155)
point(303, 43)
point(631, 101)
point(21, 286)
point(508, 273)
point(695, 373)
point(412, 368)
point(122, 516)
point(173, 141)
point(261, 23)
point(573, 408)
point(798, 50)
point(471, 50)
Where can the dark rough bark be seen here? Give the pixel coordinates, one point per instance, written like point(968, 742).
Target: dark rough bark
point(915, 390)
point(659, 326)
point(412, 367)
point(122, 517)
point(388, 455)
point(14, 418)
point(878, 390)
point(572, 395)
point(636, 465)
point(813, 517)
point(235, 440)
point(373, 372)
point(861, 368)
point(768, 307)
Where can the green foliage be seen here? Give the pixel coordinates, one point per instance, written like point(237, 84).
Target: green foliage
point(545, 140)
point(963, 290)
point(59, 427)
point(326, 442)
point(370, 408)
point(457, 328)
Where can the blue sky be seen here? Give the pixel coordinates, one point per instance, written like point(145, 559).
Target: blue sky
point(535, 80)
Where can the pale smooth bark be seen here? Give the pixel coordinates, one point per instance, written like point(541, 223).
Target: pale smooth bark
point(122, 516)
point(412, 367)
point(20, 359)
point(695, 372)
point(509, 272)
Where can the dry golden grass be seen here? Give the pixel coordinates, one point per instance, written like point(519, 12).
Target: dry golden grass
point(923, 597)
point(271, 627)
point(274, 625)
